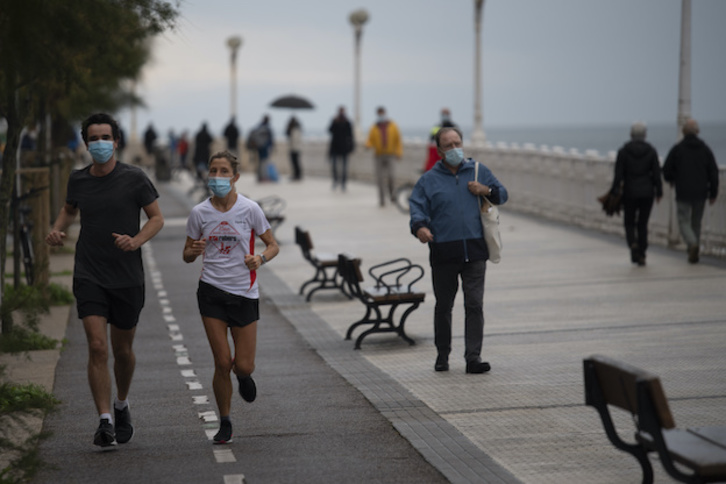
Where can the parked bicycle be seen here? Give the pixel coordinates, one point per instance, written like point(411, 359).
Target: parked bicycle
point(25, 233)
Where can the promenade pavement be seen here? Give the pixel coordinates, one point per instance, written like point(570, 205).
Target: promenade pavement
point(559, 295)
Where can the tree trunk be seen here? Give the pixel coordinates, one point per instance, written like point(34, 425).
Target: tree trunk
point(7, 181)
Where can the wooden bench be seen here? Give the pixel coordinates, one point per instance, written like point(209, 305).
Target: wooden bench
point(272, 207)
point(326, 267)
point(393, 287)
point(694, 455)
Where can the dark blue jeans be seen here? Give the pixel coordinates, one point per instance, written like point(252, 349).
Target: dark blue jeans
point(446, 284)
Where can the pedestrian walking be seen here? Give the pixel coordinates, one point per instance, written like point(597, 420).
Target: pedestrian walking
point(232, 134)
point(444, 208)
point(294, 136)
point(222, 229)
point(385, 139)
point(433, 154)
point(261, 141)
point(342, 144)
point(202, 142)
point(691, 167)
point(637, 181)
point(183, 149)
point(149, 139)
point(108, 274)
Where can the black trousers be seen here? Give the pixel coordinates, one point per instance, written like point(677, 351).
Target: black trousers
point(446, 284)
point(635, 218)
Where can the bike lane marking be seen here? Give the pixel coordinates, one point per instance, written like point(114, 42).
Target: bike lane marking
point(206, 413)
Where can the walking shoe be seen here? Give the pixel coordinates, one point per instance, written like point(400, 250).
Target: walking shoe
point(247, 388)
point(224, 436)
point(124, 429)
point(477, 367)
point(693, 254)
point(442, 363)
point(104, 436)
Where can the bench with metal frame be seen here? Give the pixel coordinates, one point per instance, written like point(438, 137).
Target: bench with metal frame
point(273, 206)
point(693, 455)
point(393, 287)
point(326, 267)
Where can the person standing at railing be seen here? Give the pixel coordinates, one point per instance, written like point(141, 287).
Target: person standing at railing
point(385, 139)
point(691, 167)
point(637, 179)
point(445, 215)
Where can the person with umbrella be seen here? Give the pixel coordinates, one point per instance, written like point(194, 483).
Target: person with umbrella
point(294, 135)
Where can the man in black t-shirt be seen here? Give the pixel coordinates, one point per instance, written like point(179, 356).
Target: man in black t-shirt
point(108, 276)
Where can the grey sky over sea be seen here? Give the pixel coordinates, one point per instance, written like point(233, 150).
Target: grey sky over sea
point(546, 63)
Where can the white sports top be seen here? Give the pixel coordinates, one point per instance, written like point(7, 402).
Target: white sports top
point(230, 236)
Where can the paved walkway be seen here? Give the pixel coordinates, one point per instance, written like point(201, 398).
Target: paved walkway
point(559, 295)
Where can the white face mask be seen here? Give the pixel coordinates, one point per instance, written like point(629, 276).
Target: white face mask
point(454, 156)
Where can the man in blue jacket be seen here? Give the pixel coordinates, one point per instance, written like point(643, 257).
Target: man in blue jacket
point(444, 209)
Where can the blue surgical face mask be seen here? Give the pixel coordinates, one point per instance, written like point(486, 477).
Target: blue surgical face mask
point(101, 150)
point(219, 185)
point(454, 156)
point(382, 119)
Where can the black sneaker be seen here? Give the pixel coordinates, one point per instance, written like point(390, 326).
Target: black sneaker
point(104, 436)
point(224, 436)
point(247, 388)
point(124, 429)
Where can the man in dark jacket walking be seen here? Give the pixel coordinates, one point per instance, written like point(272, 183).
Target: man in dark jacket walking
point(637, 179)
point(692, 168)
point(445, 214)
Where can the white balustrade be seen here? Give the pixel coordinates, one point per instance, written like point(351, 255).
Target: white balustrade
point(555, 184)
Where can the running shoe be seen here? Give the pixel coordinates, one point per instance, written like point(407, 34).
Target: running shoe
point(104, 436)
point(247, 388)
point(224, 436)
point(124, 429)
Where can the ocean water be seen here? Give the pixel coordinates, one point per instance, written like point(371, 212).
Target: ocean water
point(600, 138)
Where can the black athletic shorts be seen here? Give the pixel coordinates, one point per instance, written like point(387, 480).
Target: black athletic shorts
point(120, 306)
point(236, 311)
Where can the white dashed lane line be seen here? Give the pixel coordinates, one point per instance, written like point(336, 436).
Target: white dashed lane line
point(207, 414)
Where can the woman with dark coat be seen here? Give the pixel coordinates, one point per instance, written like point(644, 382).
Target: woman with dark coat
point(341, 145)
point(637, 179)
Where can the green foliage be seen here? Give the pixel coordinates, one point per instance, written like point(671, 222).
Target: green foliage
point(30, 302)
point(22, 339)
point(28, 399)
point(17, 402)
point(59, 295)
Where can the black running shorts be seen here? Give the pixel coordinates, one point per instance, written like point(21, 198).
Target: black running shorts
point(236, 311)
point(120, 306)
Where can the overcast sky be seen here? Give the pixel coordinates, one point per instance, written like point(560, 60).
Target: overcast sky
point(545, 62)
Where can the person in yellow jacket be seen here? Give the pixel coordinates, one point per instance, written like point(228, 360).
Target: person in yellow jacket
point(385, 139)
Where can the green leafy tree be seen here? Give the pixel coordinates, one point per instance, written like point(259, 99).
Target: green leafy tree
point(66, 58)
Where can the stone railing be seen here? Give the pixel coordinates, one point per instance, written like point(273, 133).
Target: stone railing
point(549, 183)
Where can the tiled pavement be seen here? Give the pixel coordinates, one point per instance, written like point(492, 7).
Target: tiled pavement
point(559, 295)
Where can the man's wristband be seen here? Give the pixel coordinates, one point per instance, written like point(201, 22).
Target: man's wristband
point(264, 259)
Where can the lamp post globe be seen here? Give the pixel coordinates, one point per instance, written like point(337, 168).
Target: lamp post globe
point(357, 19)
point(234, 43)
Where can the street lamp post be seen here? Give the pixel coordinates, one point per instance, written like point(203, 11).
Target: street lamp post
point(477, 135)
point(234, 44)
point(357, 19)
point(684, 103)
